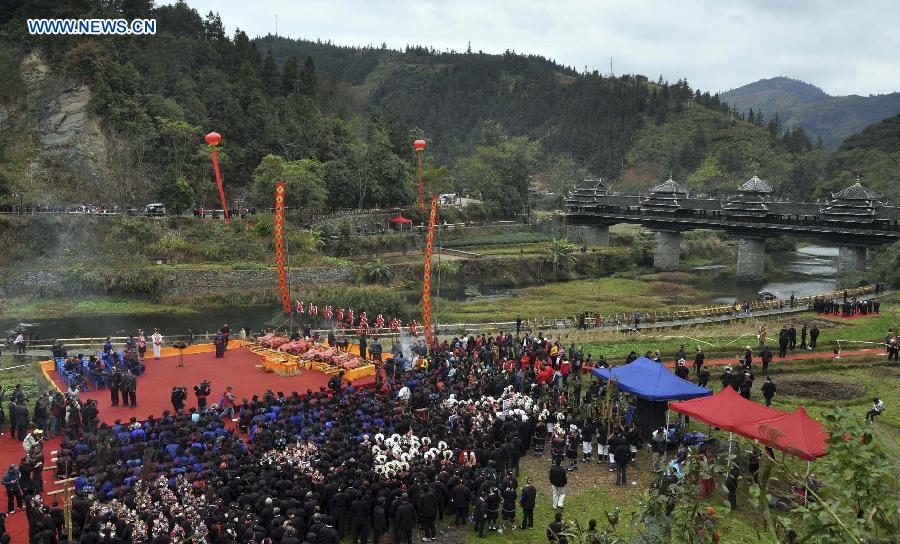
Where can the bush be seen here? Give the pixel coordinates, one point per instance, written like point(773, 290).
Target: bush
point(81, 279)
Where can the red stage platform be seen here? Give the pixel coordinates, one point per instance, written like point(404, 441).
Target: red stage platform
point(237, 369)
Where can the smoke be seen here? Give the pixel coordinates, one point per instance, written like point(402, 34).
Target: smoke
point(406, 343)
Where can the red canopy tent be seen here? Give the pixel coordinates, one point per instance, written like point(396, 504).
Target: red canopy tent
point(795, 433)
point(399, 221)
point(726, 410)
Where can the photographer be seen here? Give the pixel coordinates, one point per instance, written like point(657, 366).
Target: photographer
point(202, 391)
point(228, 402)
point(179, 395)
point(13, 489)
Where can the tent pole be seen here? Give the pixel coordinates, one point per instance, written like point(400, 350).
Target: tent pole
point(730, 444)
point(666, 436)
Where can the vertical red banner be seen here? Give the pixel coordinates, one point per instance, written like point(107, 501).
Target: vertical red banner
point(419, 147)
point(426, 283)
point(283, 291)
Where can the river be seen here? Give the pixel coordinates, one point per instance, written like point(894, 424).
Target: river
point(812, 269)
point(171, 324)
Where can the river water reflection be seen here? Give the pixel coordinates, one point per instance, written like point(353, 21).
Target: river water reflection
point(812, 269)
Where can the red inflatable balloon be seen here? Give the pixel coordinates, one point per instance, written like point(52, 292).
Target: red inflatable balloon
point(213, 138)
point(419, 145)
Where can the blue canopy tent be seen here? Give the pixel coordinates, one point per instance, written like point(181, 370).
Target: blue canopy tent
point(649, 380)
point(654, 386)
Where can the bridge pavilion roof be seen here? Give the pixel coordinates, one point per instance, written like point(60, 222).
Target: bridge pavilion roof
point(751, 200)
point(586, 194)
point(755, 185)
point(665, 198)
point(856, 192)
point(669, 186)
point(855, 204)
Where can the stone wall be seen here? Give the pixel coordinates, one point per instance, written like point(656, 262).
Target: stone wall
point(49, 283)
point(185, 282)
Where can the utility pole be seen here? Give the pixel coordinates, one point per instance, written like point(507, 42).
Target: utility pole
point(610, 67)
point(276, 25)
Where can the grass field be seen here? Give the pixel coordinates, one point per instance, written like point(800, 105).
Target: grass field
point(553, 300)
point(75, 306)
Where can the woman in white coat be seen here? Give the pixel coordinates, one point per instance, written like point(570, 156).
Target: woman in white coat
point(156, 339)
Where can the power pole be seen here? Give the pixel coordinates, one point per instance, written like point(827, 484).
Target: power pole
point(276, 25)
point(610, 67)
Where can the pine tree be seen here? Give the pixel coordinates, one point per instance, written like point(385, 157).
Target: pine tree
point(290, 81)
point(308, 83)
point(270, 75)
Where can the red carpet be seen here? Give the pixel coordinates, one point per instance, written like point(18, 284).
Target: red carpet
point(11, 452)
point(154, 388)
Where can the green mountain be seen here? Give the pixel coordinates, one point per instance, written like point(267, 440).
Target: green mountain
point(832, 118)
point(872, 155)
point(120, 120)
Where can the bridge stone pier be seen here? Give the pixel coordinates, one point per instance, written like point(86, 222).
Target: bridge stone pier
point(668, 250)
point(852, 258)
point(751, 259)
point(591, 235)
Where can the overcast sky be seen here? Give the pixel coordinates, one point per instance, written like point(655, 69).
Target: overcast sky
point(845, 47)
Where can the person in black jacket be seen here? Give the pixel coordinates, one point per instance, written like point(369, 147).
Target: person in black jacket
point(508, 507)
point(405, 520)
point(587, 439)
point(558, 481)
point(493, 508)
point(459, 501)
point(768, 390)
point(359, 519)
point(699, 358)
point(480, 513)
point(427, 511)
point(783, 341)
point(766, 357)
point(115, 383)
point(339, 506)
point(328, 534)
point(703, 376)
point(622, 455)
point(555, 530)
point(379, 520)
point(527, 501)
point(813, 336)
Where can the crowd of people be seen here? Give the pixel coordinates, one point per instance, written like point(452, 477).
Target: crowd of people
point(439, 438)
point(847, 307)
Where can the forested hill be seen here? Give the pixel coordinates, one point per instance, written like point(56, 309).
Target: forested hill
point(120, 121)
point(833, 118)
point(873, 155)
point(584, 116)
